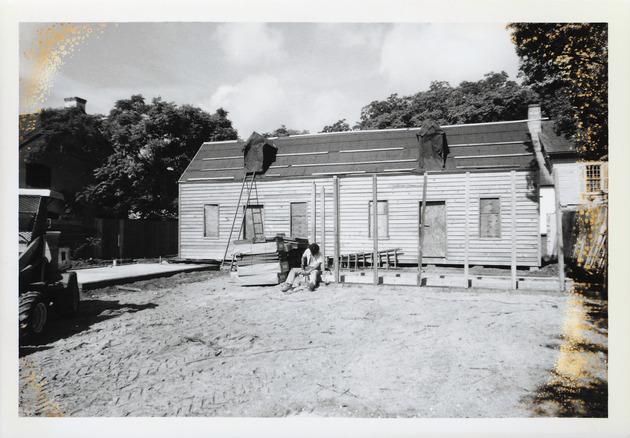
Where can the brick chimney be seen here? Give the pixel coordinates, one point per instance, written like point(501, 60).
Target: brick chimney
point(534, 119)
point(75, 102)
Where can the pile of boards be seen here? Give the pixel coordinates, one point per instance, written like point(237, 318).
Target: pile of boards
point(267, 262)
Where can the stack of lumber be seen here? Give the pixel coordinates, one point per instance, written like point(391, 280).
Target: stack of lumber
point(268, 262)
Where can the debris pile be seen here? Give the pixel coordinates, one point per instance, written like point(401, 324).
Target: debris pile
point(268, 262)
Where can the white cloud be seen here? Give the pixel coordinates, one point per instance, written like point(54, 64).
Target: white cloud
point(262, 103)
point(351, 35)
point(250, 44)
point(415, 55)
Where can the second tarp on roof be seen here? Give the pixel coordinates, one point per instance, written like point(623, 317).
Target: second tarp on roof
point(259, 153)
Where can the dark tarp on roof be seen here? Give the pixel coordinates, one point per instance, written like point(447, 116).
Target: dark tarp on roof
point(432, 143)
point(259, 154)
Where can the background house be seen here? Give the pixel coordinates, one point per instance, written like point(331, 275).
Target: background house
point(487, 188)
point(580, 183)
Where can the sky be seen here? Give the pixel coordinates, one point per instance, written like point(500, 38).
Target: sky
point(301, 75)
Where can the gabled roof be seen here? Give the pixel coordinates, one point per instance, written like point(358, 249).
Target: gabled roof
point(473, 147)
point(553, 143)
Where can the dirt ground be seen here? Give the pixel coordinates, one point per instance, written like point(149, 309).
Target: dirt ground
point(197, 344)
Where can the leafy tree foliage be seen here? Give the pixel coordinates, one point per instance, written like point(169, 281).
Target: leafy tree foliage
point(69, 131)
point(153, 144)
point(494, 98)
point(339, 126)
point(567, 65)
point(283, 131)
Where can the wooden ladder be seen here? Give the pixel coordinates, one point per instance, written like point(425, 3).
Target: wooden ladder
point(257, 219)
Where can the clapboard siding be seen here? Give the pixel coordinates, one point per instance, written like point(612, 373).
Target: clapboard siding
point(571, 183)
point(404, 195)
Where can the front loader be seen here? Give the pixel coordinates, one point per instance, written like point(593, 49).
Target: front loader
point(43, 285)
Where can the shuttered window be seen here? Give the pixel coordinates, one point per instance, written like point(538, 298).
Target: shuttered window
point(299, 226)
point(211, 221)
point(489, 217)
point(383, 219)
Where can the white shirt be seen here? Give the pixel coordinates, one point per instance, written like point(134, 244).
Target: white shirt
point(313, 261)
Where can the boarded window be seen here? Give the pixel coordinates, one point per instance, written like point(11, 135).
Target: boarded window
point(211, 220)
point(253, 222)
point(383, 219)
point(489, 217)
point(299, 226)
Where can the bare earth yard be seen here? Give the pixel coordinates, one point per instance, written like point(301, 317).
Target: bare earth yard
point(200, 345)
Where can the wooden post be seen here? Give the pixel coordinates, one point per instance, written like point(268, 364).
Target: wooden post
point(559, 240)
point(322, 226)
point(421, 230)
point(467, 231)
point(314, 213)
point(375, 227)
point(121, 239)
point(336, 217)
point(513, 218)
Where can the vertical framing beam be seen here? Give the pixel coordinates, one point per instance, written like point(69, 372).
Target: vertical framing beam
point(513, 218)
point(322, 226)
point(421, 227)
point(375, 259)
point(337, 222)
point(467, 232)
point(559, 240)
point(313, 213)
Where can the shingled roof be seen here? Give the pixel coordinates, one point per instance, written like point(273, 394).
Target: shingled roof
point(553, 143)
point(473, 147)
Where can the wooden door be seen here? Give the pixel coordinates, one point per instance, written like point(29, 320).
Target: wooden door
point(434, 244)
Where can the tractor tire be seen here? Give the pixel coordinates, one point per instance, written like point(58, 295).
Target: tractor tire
point(33, 313)
point(68, 303)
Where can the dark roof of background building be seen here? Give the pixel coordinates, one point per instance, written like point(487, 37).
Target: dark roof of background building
point(474, 147)
point(553, 143)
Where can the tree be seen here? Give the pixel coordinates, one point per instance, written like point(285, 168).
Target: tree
point(69, 131)
point(567, 65)
point(494, 98)
point(153, 144)
point(283, 131)
point(339, 126)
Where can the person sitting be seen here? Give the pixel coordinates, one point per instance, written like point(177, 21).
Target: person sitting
point(312, 266)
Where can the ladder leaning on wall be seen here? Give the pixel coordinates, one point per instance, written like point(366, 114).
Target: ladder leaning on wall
point(256, 214)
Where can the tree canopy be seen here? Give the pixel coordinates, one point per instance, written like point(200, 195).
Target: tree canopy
point(493, 98)
point(339, 126)
point(70, 131)
point(567, 65)
point(283, 131)
point(153, 144)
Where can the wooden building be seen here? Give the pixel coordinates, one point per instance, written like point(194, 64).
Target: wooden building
point(482, 194)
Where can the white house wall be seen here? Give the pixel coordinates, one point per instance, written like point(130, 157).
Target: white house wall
point(403, 193)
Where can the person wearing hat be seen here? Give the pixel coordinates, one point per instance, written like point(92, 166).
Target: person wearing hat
point(312, 266)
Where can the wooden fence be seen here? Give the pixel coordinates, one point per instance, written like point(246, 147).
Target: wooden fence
point(110, 239)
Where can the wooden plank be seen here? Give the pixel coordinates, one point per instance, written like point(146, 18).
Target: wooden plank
point(560, 243)
point(336, 226)
point(375, 227)
point(313, 212)
point(467, 229)
point(421, 230)
point(323, 225)
point(513, 233)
